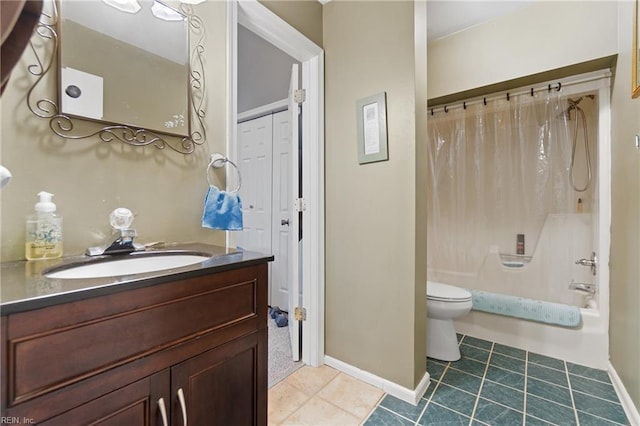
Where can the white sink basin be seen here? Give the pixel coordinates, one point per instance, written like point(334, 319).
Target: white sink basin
point(129, 266)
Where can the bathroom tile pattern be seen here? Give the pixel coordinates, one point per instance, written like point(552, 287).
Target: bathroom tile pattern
point(494, 384)
point(323, 396)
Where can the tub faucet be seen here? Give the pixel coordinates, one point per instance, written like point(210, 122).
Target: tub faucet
point(583, 287)
point(589, 262)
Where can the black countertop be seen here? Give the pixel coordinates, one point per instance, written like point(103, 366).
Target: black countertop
point(23, 287)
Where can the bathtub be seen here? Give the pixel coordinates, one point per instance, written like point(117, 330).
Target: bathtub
point(587, 345)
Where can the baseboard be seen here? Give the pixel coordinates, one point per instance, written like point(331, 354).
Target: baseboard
point(625, 399)
point(412, 396)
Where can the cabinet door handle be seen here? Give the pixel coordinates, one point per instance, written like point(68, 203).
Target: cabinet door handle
point(163, 411)
point(183, 406)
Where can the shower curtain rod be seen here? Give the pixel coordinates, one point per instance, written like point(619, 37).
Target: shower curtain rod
point(518, 92)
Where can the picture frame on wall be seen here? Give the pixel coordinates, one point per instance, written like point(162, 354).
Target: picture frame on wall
point(635, 79)
point(371, 119)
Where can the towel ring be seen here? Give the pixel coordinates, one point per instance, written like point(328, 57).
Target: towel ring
point(217, 161)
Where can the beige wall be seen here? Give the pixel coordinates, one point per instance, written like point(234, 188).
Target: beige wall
point(544, 36)
point(375, 263)
point(90, 178)
point(303, 15)
point(127, 88)
point(577, 34)
point(624, 325)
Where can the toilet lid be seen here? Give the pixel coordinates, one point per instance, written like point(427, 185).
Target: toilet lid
point(439, 291)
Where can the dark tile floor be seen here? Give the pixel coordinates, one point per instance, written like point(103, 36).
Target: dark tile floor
point(499, 385)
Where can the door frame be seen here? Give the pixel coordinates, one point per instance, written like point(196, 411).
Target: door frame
point(260, 20)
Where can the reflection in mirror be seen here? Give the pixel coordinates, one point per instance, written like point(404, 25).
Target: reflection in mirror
point(122, 67)
point(128, 68)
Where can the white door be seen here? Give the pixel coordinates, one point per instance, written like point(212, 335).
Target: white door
point(255, 153)
point(282, 210)
point(294, 222)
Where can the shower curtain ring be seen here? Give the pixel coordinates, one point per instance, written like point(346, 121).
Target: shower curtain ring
point(532, 91)
point(445, 109)
point(559, 86)
point(484, 101)
point(464, 105)
point(431, 111)
point(549, 87)
point(508, 96)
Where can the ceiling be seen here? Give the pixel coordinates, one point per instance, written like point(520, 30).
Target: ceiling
point(445, 17)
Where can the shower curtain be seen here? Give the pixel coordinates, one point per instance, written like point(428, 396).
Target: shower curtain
point(496, 171)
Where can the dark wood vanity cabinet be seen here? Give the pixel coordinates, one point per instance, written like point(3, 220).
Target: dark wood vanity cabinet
point(197, 347)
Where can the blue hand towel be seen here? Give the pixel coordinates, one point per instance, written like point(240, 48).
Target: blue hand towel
point(222, 210)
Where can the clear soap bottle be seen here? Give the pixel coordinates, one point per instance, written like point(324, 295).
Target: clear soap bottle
point(44, 230)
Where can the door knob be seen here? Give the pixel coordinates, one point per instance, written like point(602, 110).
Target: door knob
point(284, 222)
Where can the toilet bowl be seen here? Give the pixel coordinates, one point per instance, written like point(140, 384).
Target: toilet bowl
point(444, 304)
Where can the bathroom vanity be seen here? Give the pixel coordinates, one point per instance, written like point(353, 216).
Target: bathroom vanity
point(181, 346)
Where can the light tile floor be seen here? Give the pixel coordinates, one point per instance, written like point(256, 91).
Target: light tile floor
point(321, 396)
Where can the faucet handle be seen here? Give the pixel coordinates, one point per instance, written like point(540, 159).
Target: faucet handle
point(592, 263)
point(121, 218)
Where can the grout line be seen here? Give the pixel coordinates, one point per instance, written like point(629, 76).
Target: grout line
point(598, 397)
point(570, 373)
point(590, 378)
point(526, 376)
point(452, 410)
point(446, 368)
point(486, 368)
point(543, 420)
point(602, 418)
point(376, 405)
point(394, 413)
point(546, 366)
point(573, 403)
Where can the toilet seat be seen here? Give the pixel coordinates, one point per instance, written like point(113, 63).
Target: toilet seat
point(446, 293)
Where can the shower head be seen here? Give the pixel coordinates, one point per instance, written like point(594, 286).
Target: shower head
point(573, 104)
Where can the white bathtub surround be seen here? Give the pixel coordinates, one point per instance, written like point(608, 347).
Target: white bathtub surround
point(469, 251)
point(588, 345)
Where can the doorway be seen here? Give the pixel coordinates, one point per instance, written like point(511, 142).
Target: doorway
point(259, 20)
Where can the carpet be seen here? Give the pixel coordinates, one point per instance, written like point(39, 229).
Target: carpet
point(281, 362)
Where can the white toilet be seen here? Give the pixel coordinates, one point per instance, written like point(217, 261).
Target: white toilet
point(444, 304)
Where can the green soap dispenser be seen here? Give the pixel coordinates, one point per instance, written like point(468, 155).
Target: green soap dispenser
point(44, 230)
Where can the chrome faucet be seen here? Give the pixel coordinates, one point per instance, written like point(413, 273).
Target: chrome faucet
point(121, 220)
point(122, 245)
point(592, 263)
point(583, 287)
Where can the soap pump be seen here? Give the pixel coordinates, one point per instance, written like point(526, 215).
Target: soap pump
point(44, 230)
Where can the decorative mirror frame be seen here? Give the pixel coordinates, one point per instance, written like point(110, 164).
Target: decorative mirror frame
point(64, 126)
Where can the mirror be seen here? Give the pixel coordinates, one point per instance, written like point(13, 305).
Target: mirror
point(127, 64)
point(122, 67)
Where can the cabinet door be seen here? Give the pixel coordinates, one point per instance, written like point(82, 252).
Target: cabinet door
point(138, 404)
point(223, 386)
